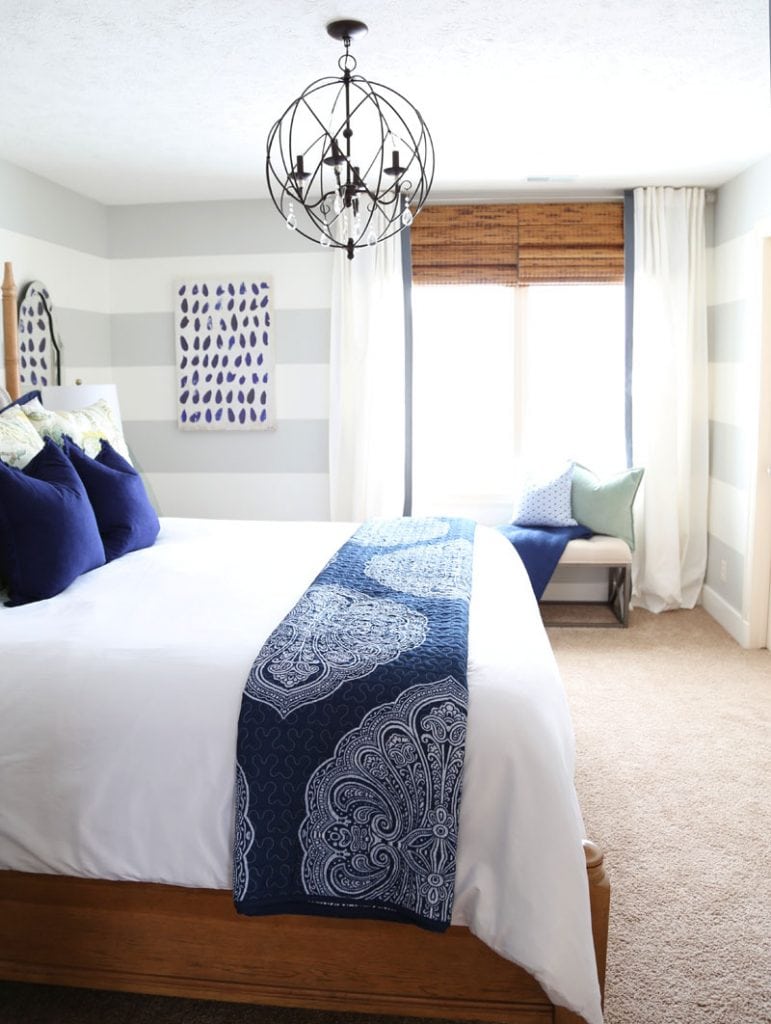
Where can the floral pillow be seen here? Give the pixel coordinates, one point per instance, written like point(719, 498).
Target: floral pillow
point(19, 441)
point(86, 426)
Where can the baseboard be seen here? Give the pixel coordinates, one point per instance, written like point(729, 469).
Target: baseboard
point(728, 617)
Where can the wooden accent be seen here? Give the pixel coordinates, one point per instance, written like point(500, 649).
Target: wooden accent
point(527, 243)
point(599, 894)
point(168, 940)
point(465, 244)
point(10, 334)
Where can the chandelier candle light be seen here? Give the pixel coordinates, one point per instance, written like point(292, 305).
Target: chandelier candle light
point(350, 162)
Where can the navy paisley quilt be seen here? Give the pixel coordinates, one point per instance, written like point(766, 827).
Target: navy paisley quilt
point(352, 731)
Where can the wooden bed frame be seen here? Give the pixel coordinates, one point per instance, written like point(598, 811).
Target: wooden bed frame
point(160, 939)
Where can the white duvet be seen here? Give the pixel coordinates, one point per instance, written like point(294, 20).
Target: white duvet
point(119, 703)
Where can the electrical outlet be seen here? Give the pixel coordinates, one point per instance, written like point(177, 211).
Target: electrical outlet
point(723, 570)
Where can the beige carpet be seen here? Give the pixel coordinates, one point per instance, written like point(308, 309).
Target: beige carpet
point(674, 761)
point(673, 733)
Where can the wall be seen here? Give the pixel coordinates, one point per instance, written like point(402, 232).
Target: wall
point(742, 207)
point(279, 474)
point(60, 238)
point(111, 273)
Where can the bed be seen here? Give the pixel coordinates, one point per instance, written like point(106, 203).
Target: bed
point(115, 843)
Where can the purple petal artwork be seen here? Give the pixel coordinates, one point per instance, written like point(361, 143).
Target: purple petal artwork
point(35, 336)
point(227, 322)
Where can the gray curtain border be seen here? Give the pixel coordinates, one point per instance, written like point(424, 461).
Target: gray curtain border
point(628, 320)
point(407, 282)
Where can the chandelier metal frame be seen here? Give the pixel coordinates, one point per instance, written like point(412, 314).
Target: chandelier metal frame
point(350, 162)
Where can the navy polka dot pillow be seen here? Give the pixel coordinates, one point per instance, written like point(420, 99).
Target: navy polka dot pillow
point(546, 502)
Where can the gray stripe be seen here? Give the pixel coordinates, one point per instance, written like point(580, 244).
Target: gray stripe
point(743, 201)
point(727, 332)
point(302, 335)
point(732, 588)
point(37, 207)
point(85, 337)
point(142, 339)
point(147, 339)
point(296, 446)
point(237, 226)
point(728, 450)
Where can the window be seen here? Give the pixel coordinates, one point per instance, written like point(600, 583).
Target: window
point(463, 376)
point(501, 374)
point(518, 348)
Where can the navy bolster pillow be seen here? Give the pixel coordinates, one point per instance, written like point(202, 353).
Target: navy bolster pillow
point(48, 531)
point(126, 519)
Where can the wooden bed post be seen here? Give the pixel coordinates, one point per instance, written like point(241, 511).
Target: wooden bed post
point(10, 327)
point(599, 901)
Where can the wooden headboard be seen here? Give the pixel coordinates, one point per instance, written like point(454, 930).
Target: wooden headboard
point(10, 334)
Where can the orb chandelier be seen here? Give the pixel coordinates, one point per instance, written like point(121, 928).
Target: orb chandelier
point(350, 162)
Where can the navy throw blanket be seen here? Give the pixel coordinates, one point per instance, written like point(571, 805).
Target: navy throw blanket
point(540, 548)
point(352, 732)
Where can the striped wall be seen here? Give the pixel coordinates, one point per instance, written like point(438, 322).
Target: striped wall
point(60, 238)
point(111, 273)
point(279, 474)
point(734, 348)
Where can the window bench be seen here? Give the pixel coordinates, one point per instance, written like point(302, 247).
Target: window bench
point(612, 554)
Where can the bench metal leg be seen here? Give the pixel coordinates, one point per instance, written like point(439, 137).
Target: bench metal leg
point(620, 592)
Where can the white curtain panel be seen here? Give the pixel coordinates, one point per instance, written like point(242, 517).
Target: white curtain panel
point(670, 396)
point(367, 394)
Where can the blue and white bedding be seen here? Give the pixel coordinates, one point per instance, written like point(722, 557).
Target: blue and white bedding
point(352, 734)
point(540, 548)
point(119, 704)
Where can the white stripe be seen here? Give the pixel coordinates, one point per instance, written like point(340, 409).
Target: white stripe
point(728, 514)
point(75, 279)
point(285, 496)
point(300, 280)
point(150, 392)
point(733, 271)
point(88, 375)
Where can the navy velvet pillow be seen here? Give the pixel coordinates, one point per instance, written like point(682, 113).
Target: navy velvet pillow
point(126, 519)
point(48, 531)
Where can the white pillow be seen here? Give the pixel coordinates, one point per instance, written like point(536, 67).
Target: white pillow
point(545, 500)
point(19, 441)
point(85, 426)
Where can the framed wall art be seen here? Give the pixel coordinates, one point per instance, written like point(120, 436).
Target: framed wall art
point(225, 355)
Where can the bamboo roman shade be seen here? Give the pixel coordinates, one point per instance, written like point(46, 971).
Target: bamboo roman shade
point(528, 243)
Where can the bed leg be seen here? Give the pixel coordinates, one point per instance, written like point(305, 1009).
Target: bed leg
point(599, 898)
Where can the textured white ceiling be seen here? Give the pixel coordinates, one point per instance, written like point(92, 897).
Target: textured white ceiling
point(131, 101)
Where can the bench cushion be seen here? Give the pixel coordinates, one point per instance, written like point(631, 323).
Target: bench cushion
point(597, 550)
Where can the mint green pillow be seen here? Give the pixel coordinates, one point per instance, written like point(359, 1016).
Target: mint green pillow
point(605, 506)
